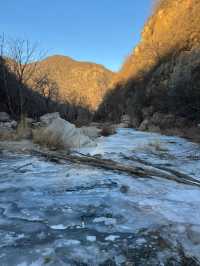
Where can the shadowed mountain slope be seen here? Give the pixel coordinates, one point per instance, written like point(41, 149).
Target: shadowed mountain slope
point(162, 74)
point(18, 99)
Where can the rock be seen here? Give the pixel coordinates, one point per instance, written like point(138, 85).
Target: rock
point(4, 117)
point(164, 121)
point(144, 125)
point(181, 122)
point(157, 122)
point(8, 125)
point(66, 134)
point(169, 121)
point(47, 119)
point(123, 125)
point(91, 132)
point(153, 128)
point(13, 124)
point(36, 125)
point(135, 122)
point(124, 189)
point(157, 118)
point(125, 119)
point(147, 112)
point(108, 130)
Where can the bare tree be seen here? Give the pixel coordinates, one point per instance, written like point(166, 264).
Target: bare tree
point(4, 71)
point(46, 87)
point(22, 60)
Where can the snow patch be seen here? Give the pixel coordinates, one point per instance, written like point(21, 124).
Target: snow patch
point(112, 238)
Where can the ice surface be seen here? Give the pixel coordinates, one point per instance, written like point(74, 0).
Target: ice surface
point(91, 238)
point(69, 214)
point(112, 237)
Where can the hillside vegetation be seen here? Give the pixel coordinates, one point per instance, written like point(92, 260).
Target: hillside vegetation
point(162, 74)
point(78, 82)
point(18, 99)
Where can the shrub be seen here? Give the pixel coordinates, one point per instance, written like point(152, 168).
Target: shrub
point(108, 130)
point(42, 137)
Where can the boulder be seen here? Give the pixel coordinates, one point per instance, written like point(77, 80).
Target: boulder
point(144, 125)
point(4, 117)
point(169, 121)
point(147, 112)
point(182, 122)
point(47, 119)
point(13, 124)
point(108, 130)
point(135, 122)
point(8, 125)
point(125, 121)
point(122, 125)
point(164, 121)
point(66, 134)
point(36, 125)
point(157, 118)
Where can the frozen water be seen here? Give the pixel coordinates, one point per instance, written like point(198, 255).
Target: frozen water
point(91, 238)
point(111, 237)
point(68, 214)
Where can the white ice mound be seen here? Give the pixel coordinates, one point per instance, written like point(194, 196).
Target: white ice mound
point(67, 134)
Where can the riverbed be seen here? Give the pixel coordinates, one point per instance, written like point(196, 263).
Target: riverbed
point(69, 214)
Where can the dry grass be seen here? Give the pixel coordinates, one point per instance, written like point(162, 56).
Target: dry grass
point(23, 131)
point(8, 136)
point(42, 137)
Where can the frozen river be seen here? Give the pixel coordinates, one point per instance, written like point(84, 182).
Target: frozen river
point(70, 214)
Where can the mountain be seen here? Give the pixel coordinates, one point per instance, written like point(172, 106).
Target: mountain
point(19, 99)
point(174, 27)
point(161, 76)
point(79, 82)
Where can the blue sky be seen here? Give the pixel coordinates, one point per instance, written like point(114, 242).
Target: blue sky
point(101, 31)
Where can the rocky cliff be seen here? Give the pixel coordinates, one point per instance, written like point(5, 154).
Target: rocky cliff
point(162, 74)
point(173, 28)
